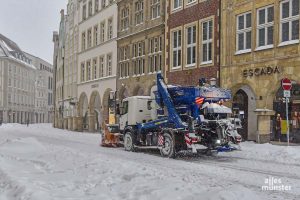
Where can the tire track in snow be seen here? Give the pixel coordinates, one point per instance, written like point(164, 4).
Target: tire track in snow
point(176, 168)
point(239, 168)
point(11, 189)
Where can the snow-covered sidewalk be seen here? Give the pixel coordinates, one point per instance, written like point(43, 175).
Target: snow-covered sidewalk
point(39, 162)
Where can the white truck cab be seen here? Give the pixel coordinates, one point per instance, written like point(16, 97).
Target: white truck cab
point(133, 110)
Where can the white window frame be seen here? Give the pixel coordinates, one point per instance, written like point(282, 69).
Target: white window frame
point(189, 2)
point(155, 9)
point(124, 62)
point(124, 19)
point(207, 41)
point(110, 28)
point(90, 8)
point(96, 35)
point(265, 26)
point(89, 70)
point(138, 59)
point(139, 12)
point(176, 49)
point(102, 31)
point(245, 30)
point(290, 19)
point(95, 66)
point(101, 66)
point(193, 45)
point(179, 2)
point(83, 41)
point(96, 6)
point(109, 64)
point(89, 38)
point(82, 72)
point(155, 54)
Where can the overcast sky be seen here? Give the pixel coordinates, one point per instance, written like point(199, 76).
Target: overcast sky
point(30, 23)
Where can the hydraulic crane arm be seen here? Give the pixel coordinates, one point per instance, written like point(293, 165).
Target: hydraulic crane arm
point(164, 95)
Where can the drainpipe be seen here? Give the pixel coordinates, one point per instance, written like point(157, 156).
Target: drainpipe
point(219, 67)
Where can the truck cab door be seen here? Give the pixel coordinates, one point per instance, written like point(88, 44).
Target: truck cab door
point(124, 115)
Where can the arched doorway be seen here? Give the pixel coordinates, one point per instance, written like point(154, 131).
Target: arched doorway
point(95, 109)
point(123, 93)
point(240, 107)
point(244, 105)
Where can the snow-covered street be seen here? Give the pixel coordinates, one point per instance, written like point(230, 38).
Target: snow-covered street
point(40, 162)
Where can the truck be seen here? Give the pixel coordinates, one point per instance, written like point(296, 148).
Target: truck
point(178, 118)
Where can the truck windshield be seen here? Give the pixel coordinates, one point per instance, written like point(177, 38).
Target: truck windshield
point(125, 108)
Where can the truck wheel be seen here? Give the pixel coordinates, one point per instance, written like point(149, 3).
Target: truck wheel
point(128, 142)
point(168, 150)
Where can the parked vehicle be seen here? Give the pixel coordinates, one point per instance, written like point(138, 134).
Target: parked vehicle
point(176, 118)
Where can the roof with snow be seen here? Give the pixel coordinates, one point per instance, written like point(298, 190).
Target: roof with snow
point(11, 50)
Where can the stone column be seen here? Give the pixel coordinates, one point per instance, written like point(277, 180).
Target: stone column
point(70, 123)
point(79, 123)
point(65, 123)
point(92, 119)
point(263, 125)
point(74, 127)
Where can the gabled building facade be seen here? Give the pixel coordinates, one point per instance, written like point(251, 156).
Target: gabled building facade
point(260, 47)
point(43, 112)
point(97, 62)
point(141, 46)
point(192, 41)
point(17, 84)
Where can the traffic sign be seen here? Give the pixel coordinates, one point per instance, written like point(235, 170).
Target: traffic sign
point(286, 84)
point(287, 93)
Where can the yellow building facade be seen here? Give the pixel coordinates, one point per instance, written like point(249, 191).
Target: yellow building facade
point(260, 47)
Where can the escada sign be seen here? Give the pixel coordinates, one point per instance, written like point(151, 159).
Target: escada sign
point(260, 71)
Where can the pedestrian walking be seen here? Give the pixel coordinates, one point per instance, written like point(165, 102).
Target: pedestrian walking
point(0, 122)
point(278, 127)
point(27, 122)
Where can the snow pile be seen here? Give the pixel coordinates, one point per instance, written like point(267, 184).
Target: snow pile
point(267, 152)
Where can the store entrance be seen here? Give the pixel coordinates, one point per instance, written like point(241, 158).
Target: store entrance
point(240, 106)
point(279, 107)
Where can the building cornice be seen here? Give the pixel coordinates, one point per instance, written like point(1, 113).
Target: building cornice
point(135, 33)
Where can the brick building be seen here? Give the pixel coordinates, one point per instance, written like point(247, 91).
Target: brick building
point(192, 41)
